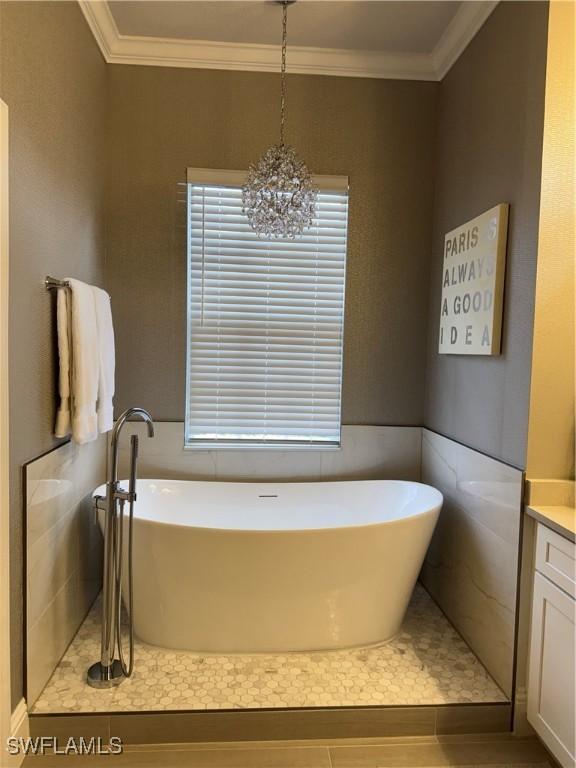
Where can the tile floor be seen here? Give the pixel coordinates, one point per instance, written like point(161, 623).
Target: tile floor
point(471, 751)
point(426, 663)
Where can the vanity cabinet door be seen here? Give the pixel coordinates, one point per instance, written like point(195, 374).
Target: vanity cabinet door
point(551, 685)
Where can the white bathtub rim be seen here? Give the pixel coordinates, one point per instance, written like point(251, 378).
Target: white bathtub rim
point(433, 507)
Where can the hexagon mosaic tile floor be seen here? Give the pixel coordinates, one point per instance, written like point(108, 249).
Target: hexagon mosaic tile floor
point(426, 663)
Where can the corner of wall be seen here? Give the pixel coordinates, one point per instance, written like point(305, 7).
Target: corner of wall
point(19, 729)
point(488, 151)
point(550, 452)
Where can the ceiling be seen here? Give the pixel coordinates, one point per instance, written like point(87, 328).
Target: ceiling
point(408, 39)
point(410, 27)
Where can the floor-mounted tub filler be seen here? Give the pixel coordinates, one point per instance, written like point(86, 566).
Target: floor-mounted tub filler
point(229, 567)
point(117, 528)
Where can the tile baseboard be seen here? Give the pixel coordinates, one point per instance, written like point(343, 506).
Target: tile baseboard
point(279, 725)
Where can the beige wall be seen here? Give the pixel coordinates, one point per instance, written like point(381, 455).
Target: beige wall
point(378, 132)
point(53, 79)
point(489, 151)
point(551, 429)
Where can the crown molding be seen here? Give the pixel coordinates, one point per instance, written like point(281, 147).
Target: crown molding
point(463, 27)
point(252, 57)
point(101, 22)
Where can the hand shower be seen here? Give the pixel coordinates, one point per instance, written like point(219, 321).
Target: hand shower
point(126, 667)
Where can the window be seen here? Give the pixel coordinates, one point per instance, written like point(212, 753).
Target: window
point(265, 321)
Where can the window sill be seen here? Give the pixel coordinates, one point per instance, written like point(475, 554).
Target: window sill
point(262, 447)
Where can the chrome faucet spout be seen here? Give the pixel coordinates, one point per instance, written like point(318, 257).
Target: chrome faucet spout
point(116, 431)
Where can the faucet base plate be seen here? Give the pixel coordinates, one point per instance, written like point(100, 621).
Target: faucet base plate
point(100, 676)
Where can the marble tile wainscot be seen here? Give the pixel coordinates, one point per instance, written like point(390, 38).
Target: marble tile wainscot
point(63, 553)
point(366, 453)
point(471, 568)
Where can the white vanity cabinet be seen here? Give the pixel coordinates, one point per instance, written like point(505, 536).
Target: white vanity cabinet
point(551, 673)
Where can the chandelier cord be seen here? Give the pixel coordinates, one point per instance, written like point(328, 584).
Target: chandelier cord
point(279, 197)
point(283, 72)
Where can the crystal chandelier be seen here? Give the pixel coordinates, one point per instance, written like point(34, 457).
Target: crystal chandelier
point(279, 197)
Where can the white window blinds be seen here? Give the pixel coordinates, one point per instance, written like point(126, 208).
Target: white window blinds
point(265, 320)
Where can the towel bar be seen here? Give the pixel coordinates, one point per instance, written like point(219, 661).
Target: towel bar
point(52, 282)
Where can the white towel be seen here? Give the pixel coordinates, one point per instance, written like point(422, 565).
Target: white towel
point(106, 360)
point(63, 321)
point(86, 354)
point(85, 362)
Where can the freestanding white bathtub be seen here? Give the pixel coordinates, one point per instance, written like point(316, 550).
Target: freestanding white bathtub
point(274, 567)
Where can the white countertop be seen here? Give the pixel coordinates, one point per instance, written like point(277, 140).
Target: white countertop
point(561, 519)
